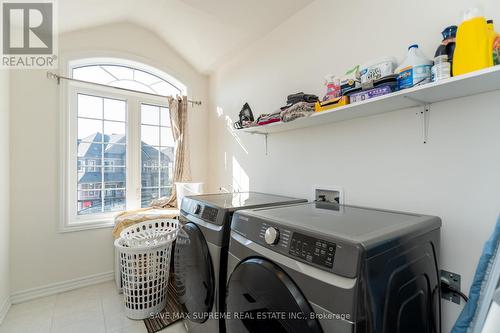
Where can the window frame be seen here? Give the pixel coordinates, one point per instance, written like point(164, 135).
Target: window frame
point(70, 220)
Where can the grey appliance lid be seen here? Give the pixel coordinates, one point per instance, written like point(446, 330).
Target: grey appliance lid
point(243, 200)
point(358, 225)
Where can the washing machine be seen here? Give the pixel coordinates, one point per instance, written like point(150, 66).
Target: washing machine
point(200, 253)
point(321, 267)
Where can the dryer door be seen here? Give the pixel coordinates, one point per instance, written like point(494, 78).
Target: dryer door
point(261, 297)
point(193, 273)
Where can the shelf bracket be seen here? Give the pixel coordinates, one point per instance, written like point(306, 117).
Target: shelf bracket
point(416, 100)
point(265, 138)
point(424, 116)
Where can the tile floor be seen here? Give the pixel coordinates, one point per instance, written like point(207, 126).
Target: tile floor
point(96, 309)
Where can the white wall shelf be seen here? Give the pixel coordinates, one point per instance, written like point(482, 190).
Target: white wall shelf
point(474, 83)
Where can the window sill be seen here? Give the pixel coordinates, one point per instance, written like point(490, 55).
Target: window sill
point(82, 226)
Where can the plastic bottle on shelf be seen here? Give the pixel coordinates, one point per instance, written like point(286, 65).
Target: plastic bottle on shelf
point(490, 26)
point(494, 42)
point(474, 44)
point(415, 69)
point(441, 69)
point(496, 50)
point(332, 84)
point(447, 46)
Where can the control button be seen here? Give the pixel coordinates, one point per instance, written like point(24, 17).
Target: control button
point(272, 236)
point(330, 249)
point(323, 252)
point(197, 210)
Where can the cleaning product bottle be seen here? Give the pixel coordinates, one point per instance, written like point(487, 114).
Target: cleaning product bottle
point(494, 42)
point(441, 69)
point(490, 26)
point(474, 45)
point(447, 46)
point(496, 50)
point(415, 69)
point(332, 84)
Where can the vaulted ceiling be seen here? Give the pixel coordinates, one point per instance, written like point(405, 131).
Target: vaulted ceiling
point(204, 32)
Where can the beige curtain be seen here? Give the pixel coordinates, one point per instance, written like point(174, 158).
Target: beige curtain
point(182, 171)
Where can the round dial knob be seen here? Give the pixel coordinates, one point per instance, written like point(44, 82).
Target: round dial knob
point(272, 236)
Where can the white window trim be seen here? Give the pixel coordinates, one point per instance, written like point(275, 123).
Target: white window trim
point(69, 220)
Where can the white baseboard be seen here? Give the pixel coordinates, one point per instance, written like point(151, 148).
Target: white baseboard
point(4, 308)
point(59, 287)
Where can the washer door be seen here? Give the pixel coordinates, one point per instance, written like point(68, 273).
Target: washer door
point(193, 273)
point(261, 297)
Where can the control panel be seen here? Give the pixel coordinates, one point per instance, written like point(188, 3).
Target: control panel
point(307, 248)
point(209, 214)
point(200, 210)
point(313, 250)
point(325, 252)
point(274, 236)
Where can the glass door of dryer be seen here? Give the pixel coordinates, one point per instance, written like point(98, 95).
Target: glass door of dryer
point(261, 297)
point(194, 273)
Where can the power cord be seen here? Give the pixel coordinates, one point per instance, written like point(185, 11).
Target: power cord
point(446, 286)
point(321, 198)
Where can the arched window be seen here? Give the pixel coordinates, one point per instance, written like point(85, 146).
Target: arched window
point(119, 141)
point(125, 76)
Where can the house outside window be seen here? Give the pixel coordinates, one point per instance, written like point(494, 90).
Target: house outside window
point(119, 146)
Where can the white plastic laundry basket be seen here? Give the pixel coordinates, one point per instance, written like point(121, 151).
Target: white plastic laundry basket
point(151, 232)
point(145, 251)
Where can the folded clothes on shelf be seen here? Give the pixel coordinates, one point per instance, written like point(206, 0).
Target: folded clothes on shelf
point(269, 121)
point(297, 110)
point(268, 118)
point(300, 97)
point(285, 114)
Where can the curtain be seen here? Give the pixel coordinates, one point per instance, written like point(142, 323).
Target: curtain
point(182, 171)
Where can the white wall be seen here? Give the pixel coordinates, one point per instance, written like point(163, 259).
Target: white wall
point(40, 254)
point(379, 161)
point(4, 190)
